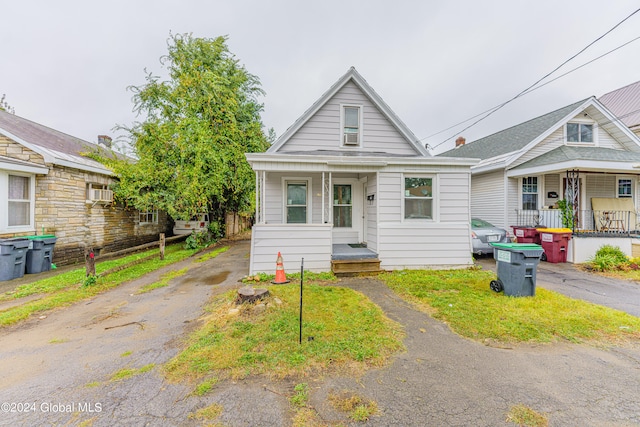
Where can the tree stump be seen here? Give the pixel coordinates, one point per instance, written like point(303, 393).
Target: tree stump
point(249, 294)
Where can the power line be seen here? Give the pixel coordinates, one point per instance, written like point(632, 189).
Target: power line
point(616, 119)
point(533, 89)
point(490, 112)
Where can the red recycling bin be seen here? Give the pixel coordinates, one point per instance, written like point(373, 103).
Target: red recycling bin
point(555, 243)
point(526, 234)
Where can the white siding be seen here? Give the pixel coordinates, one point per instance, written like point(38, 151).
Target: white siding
point(453, 197)
point(607, 141)
point(512, 203)
point(554, 140)
point(322, 131)
point(294, 242)
point(274, 193)
point(551, 183)
point(372, 213)
point(488, 198)
point(427, 245)
point(599, 185)
point(443, 243)
point(389, 196)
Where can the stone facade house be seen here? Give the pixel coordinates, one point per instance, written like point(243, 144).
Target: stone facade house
point(49, 185)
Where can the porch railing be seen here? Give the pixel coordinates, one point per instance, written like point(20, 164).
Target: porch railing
point(584, 222)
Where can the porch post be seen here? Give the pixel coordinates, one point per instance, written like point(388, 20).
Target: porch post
point(262, 196)
point(326, 193)
point(258, 217)
point(322, 220)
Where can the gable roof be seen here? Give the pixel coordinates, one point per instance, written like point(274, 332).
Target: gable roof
point(55, 147)
point(358, 80)
point(625, 103)
point(514, 138)
point(566, 153)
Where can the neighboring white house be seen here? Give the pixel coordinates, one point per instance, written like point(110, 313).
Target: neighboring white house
point(581, 153)
point(349, 172)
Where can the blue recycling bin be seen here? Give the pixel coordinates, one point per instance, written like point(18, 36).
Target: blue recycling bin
point(40, 253)
point(12, 258)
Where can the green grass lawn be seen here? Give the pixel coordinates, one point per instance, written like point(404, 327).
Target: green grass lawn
point(462, 299)
point(66, 288)
point(341, 329)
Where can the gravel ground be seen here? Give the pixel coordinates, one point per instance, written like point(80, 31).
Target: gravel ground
point(57, 370)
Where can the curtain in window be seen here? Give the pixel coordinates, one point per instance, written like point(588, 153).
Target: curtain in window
point(19, 201)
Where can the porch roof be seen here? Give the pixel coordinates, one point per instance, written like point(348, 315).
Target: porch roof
point(582, 158)
point(326, 160)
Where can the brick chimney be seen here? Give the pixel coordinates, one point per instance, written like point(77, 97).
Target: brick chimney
point(460, 141)
point(104, 140)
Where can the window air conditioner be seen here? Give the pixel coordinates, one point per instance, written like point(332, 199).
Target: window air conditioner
point(350, 139)
point(99, 195)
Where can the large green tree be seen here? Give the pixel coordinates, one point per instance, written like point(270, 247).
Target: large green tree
point(197, 126)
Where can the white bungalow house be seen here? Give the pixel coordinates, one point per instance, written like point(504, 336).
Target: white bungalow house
point(348, 180)
point(581, 154)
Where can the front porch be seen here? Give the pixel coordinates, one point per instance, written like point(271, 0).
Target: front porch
point(586, 223)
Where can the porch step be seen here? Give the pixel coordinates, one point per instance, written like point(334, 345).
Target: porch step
point(351, 267)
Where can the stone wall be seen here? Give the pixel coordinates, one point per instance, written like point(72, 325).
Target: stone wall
point(62, 209)
point(9, 148)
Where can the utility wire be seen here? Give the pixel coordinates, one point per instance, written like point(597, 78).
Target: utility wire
point(539, 80)
point(533, 89)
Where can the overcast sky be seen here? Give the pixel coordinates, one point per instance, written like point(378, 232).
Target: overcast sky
point(67, 64)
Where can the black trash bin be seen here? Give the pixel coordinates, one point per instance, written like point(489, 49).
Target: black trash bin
point(40, 253)
point(12, 257)
point(516, 268)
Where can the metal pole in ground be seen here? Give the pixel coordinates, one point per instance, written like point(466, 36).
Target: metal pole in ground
point(301, 280)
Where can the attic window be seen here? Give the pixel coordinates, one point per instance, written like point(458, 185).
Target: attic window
point(579, 132)
point(351, 125)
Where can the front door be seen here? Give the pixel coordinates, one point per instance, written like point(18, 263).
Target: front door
point(347, 211)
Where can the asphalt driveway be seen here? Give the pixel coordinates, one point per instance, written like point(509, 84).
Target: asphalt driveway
point(61, 365)
point(568, 280)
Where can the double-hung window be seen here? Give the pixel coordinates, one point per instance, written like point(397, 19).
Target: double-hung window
point(296, 202)
point(624, 188)
point(579, 132)
point(351, 125)
point(418, 198)
point(530, 193)
point(19, 201)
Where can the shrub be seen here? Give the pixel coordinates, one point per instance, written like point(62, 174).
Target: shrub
point(90, 280)
point(609, 258)
point(214, 232)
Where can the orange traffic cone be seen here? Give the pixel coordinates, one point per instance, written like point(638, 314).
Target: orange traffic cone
point(280, 276)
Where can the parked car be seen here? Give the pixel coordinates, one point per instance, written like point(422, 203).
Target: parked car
point(483, 233)
point(197, 223)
